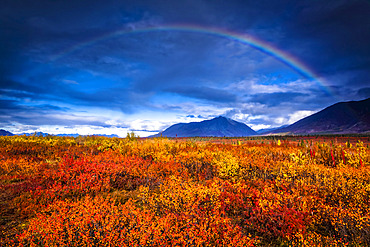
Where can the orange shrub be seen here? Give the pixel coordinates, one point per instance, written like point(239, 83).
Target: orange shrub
point(96, 191)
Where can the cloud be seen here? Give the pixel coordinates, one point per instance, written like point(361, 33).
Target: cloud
point(275, 99)
point(56, 67)
point(204, 93)
point(70, 82)
point(146, 125)
point(294, 117)
point(364, 92)
point(14, 112)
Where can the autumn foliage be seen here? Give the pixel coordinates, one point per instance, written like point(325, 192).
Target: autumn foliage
point(96, 191)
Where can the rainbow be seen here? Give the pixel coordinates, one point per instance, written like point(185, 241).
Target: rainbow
point(263, 46)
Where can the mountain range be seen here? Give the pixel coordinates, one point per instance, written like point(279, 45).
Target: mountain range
point(351, 117)
point(218, 127)
point(268, 130)
point(5, 133)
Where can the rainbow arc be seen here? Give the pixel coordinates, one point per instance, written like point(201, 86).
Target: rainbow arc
point(288, 59)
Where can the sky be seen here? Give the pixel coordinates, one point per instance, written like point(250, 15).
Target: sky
point(112, 67)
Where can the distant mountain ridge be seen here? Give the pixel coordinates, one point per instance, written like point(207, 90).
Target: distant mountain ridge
point(5, 133)
point(268, 130)
point(217, 127)
point(351, 117)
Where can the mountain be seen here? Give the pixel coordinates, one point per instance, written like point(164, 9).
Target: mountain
point(104, 135)
point(36, 134)
point(76, 135)
point(65, 135)
point(263, 131)
point(218, 127)
point(341, 118)
point(5, 133)
point(68, 135)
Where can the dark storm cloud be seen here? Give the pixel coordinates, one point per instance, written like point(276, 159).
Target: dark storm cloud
point(8, 105)
point(275, 99)
point(204, 93)
point(11, 111)
point(13, 107)
point(338, 33)
point(364, 92)
point(338, 25)
point(126, 72)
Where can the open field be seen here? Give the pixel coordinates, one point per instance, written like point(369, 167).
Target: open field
point(265, 191)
